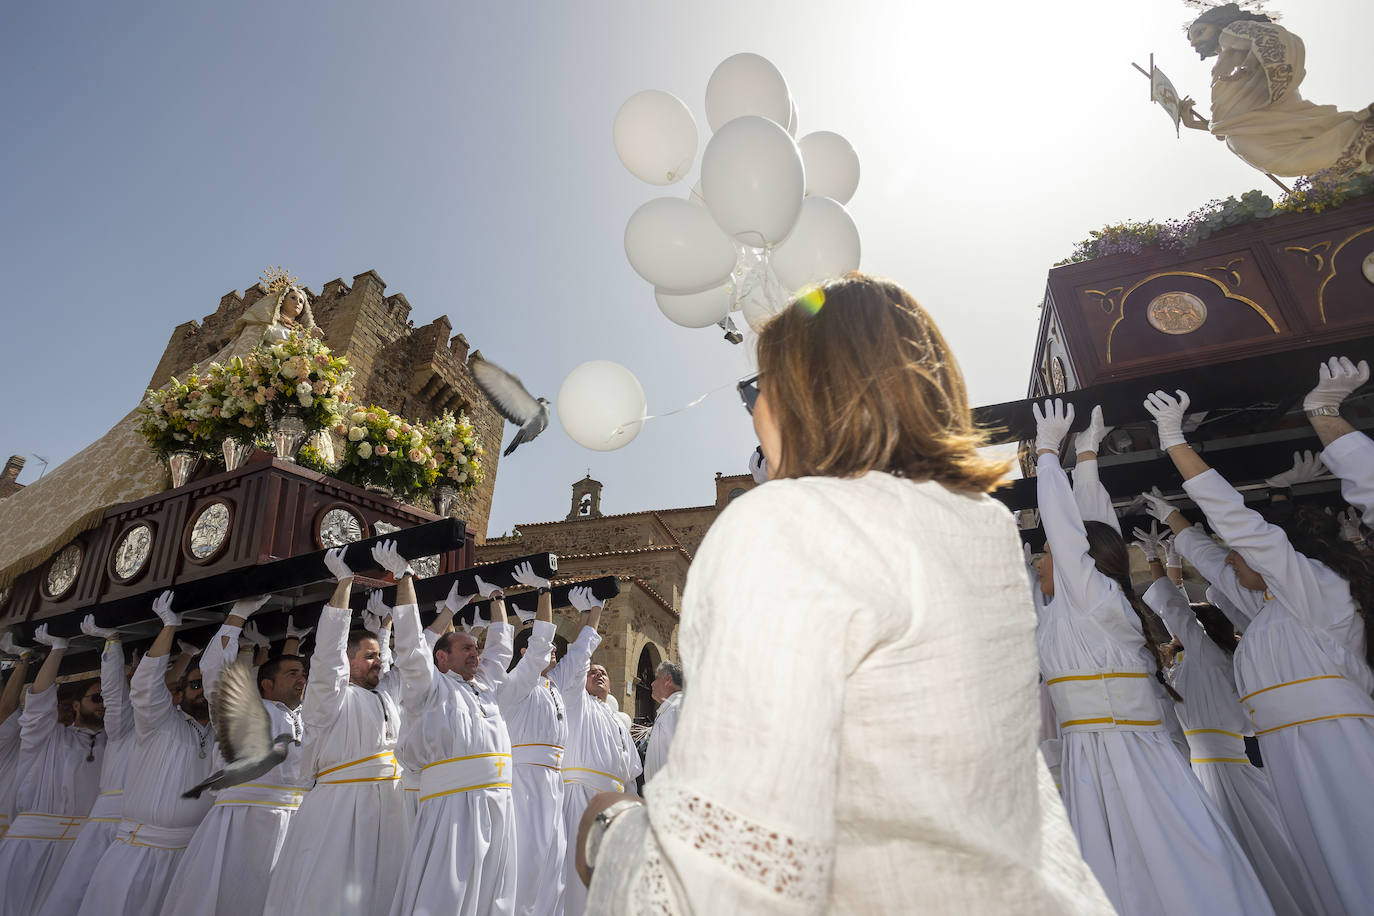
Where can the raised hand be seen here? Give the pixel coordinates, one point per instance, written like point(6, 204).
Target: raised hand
point(10, 647)
point(254, 636)
point(377, 617)
point(41, 635)
point(487, 589)
point(455, 602)
point(1306, 466)
point(188, 649)
point(1172, 558)
point(292, 632)
point(1052, 424)
point(1157, 505)
point(334, 562)
point(245, 607)
point(524, 574)
point(583, 599)
point(162, 607)
point(1149, 542)
point(1168, 412)
point(1089, 439)
point(90, 629)
point(1336, 379)
point(388, 557)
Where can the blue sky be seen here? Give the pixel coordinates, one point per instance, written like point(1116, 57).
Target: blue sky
point(159, 155)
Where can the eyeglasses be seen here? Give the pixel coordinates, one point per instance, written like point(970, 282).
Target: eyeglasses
point(749, 391)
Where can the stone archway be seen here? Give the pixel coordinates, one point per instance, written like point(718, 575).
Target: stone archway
point(645, 708)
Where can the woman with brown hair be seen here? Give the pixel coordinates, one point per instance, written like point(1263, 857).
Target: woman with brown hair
point(862, 728)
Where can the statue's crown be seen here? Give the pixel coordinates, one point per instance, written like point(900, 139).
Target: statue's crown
point(276, 279)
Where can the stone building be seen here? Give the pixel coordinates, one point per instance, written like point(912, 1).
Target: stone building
point(9, 480)
point(413, 372)
point(650, 551)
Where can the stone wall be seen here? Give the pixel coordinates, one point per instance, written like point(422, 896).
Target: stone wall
point(414, 372)
point(9, 478)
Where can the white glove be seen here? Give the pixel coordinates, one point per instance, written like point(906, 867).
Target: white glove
point(1336, 379)
point(758, 465)
point(1157, 505)
point(1306, 466)
point(1172, 558)
point(525, 616)
point(1350, 526)
point(487, 589)
point(334, 562)
point(245, 607)
point(1168, 414)
point(1089, 439)
point(90, 629)
point(583, 599)
point(254, 636)
point(377, 617)
point(1148, 541)
point(42, 635)
point(390, 559)
point(162, 607)
point(524, 574)
point(293, 633)
point(188, 648)
point(455, 602)
point(1052, 425)
point(9, 647)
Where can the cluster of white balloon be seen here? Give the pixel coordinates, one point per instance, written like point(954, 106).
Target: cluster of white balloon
point(766, 219)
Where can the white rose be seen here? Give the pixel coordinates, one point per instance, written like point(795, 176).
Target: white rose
point(462, 476)
point(356, 433)
point(358, 416)
point(364, 449)
point(304, 390)
point(395, 423)
point(287, 370)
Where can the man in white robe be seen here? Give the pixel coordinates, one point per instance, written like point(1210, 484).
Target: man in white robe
point(9, 728)
point(667, 690)
point(59, 778)
point(174, 748)
point(600, 755)
point(538, 726)
point(103, 823)
point(347, 841)
point(229, 861)
point(462, 858)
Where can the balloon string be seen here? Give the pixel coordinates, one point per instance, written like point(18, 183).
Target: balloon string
point(644, 419)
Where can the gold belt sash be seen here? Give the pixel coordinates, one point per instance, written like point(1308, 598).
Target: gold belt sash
point(381, 767)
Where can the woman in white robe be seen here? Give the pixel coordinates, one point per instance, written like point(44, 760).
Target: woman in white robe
point(868, 603)
point(1301, 669)
point(1154, 838)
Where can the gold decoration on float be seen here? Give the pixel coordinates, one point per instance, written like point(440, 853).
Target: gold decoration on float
point(1185, 273)
point(1228, 271)
point(132, 552)
point(1176, 313)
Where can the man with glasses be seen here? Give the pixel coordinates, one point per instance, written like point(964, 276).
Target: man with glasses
point(174, 748)
point(59, 778)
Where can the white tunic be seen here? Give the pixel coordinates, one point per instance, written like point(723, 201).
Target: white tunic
point(347, 842)
point(1216, 727)
point(1306, 636)
point(534, 713)
point(1153, 836)
point(9, 767)
point(888, 760)
point(600, 756)
point(661, 736)
point(57, 786)
point(103, 824)
point(462, 859)
point(228, 864)
point(170, 753)
point(1351, 458)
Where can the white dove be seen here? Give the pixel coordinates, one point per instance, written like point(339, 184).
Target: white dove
point(513, 402)
point(244, 730)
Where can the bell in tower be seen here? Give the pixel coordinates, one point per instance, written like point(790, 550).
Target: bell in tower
point(586, 499)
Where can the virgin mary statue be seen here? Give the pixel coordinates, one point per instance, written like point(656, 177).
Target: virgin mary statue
point(119, 467)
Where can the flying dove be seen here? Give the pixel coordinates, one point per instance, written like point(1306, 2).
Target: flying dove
point(244, 730)
point(512, 401)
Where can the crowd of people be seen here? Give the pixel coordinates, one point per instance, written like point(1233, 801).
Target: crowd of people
point(429, 778)
point(919, 734)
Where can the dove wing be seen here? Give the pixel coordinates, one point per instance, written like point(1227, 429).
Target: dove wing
point(241, 722)
point(506, 391)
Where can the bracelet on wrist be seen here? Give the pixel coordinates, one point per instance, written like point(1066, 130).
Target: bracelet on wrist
point(543, 589)
point(1325, 410)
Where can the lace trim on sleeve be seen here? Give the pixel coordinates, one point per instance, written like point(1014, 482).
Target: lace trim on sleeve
point(793, 868)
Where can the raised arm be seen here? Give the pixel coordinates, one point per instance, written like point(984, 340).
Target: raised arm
point(327, 686)
point(499, 647)
point(38, 722)
point(9, 698)
point(1094, 502)
point(114, 686)
point(570, 674)
point(414, 661)
point(522, 678)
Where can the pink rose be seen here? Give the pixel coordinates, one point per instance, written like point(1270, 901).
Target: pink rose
point(414, 455)
point(390, 433)
point(383, 450)
point(405, 427)
point(194, 396)
point(340, 429)
point(433, 464)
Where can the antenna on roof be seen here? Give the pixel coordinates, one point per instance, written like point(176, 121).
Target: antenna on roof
point(45, 464)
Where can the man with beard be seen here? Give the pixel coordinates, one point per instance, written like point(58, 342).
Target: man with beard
point(174, 747)
point(347, 842)
point(59, 778)
point(229, 862)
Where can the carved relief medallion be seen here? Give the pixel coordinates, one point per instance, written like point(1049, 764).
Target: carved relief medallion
point(339, 527)
point(1176, 313)
point(209, 531)
point(426, 566)
point(132, 552)
point(1059, 381)
point(62, 572)
point(1368, 267)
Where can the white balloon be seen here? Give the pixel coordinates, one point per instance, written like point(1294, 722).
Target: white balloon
point(757, 312)
point(697, 310)
point(792, 117)
point(601, 405)
point(746, 84)
point(832, 166)
point(655, 136)
point(753, 180)
point(824, 246)
point(695, 197)
point(677, 247)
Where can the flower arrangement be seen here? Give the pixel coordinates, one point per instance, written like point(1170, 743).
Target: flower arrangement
point(303, 373)
point(180, 416)
point(235, 413)
point(383, 450)
point(457, 453)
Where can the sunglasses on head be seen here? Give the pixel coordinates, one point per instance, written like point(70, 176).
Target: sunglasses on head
point(749, 391)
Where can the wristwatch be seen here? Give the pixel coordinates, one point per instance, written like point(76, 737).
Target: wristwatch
point(1323, 411)
point(598, 828)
